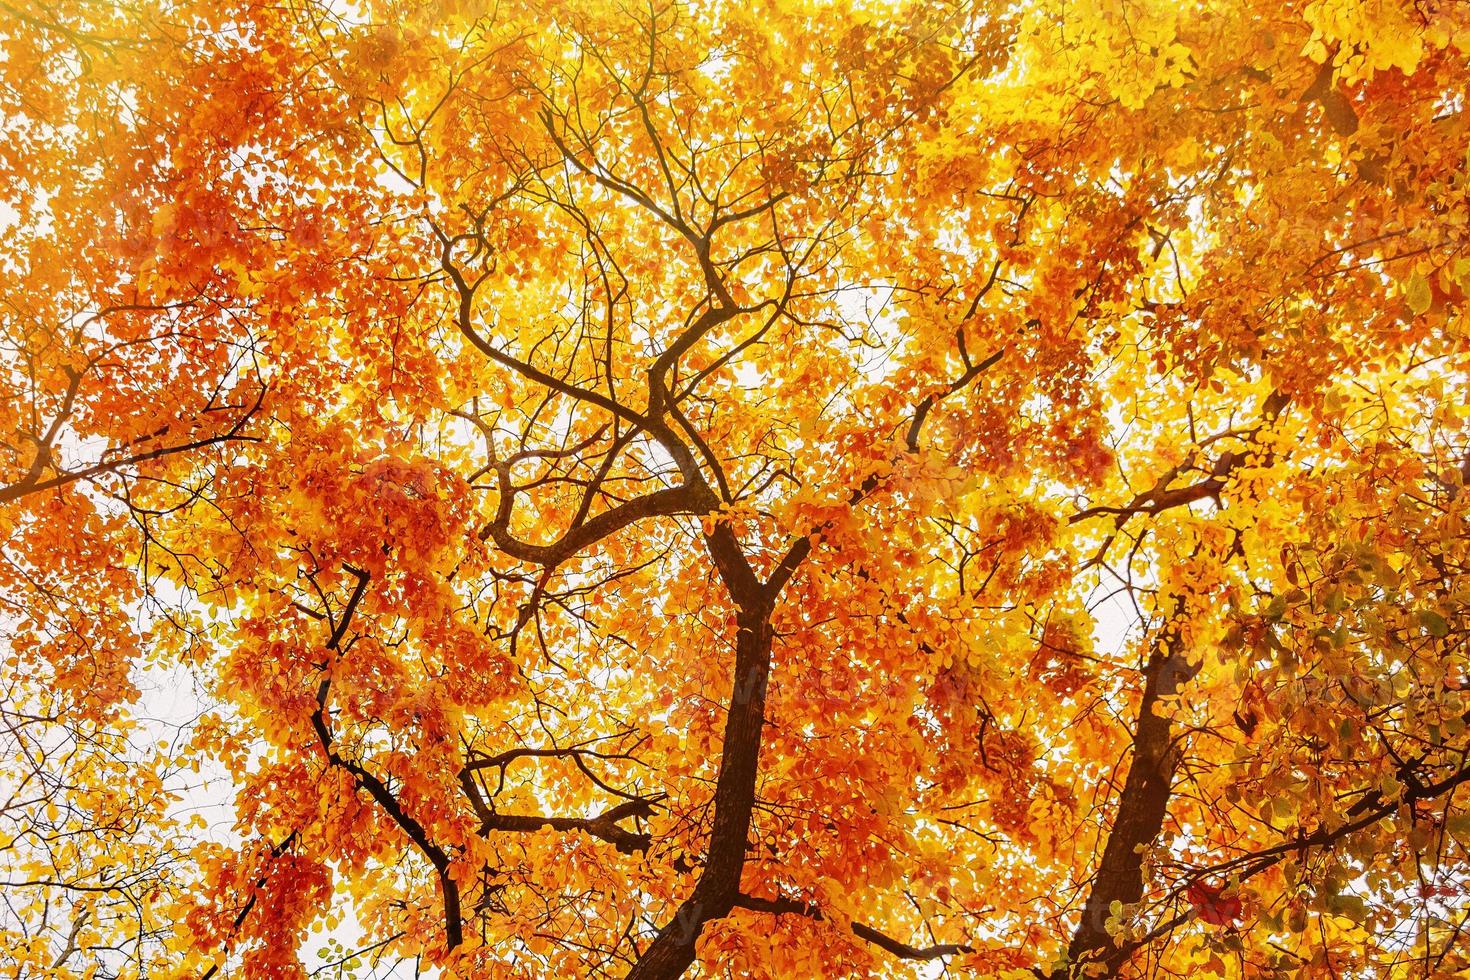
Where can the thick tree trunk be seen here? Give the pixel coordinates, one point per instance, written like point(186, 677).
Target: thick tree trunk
point(718, 888)
point(1142, 807)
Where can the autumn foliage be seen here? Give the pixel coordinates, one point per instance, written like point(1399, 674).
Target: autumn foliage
point(779, 488)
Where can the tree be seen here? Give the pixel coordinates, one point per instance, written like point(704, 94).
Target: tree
point(751, 489)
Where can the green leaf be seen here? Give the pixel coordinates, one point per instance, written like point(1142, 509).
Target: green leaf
point(1350, 906)
point(1434, 623)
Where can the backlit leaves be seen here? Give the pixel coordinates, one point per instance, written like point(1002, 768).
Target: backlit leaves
point(780, 489)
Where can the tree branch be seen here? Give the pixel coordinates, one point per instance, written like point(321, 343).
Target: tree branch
point(787, 906)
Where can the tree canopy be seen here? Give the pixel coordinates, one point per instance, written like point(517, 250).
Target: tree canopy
point(777, 488)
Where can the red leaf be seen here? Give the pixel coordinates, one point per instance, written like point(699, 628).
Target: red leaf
point(1212, 904)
